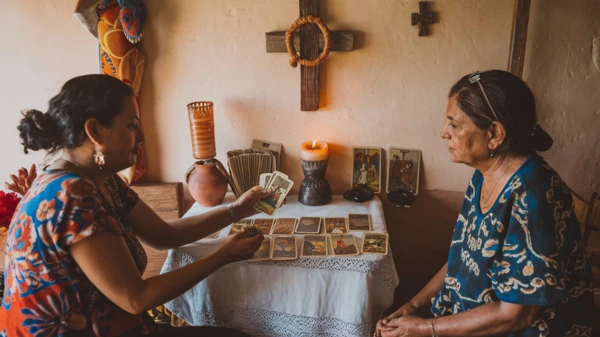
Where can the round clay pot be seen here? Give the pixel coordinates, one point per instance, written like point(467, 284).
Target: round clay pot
point(207, 181)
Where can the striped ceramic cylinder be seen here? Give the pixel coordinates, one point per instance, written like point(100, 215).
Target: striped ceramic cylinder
point(202, 129)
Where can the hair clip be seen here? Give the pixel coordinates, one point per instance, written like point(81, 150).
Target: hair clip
point(474, 77)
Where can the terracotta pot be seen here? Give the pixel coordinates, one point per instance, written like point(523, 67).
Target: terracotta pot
point(207, 181)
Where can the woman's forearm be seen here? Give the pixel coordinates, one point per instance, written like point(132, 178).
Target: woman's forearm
point(190, 229)
point(423, 298)
point(162, 288)
point(486, 320)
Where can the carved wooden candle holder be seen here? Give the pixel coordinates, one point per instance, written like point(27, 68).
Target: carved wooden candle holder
point(315, 189)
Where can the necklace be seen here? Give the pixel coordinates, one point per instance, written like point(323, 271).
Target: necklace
point(484, 201)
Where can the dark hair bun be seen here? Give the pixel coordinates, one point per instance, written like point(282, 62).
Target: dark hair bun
point(37, 131)
point(541, 139)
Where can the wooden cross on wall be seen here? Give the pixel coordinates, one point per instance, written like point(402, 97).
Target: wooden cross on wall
point(516, 58)
point(424, 18)
point(309, 42)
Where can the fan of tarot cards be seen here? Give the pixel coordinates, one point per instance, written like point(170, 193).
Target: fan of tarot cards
point(280, 186)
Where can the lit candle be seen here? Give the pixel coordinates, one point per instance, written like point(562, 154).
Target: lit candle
point(314, 151)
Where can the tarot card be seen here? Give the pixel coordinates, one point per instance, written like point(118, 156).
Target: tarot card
point(375, 243)
point(263, 252)
point(367, 167)
point(214, 235)
point(359, 222)
point(264, 178)
point(336, 226)
point(280, 187)
point(308, 225)
point(272, 175)
point(248, 222)
point(343, 244)
point(284, 226)
point(284, 248)
point(235, 228)
point(403, 170)
point(274, 148)
point(264, 225)
point(314, 246)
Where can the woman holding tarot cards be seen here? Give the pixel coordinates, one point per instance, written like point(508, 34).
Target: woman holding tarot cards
point(516, 266)
point(74, 262)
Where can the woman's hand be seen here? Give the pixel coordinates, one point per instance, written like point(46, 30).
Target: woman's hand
point(23, 181)
point(386, 324)
point(242, 245)
point(406, 326)
point(243, 205)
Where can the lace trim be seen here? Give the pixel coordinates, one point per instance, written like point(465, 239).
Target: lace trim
point(256, 322)
point(383, 269)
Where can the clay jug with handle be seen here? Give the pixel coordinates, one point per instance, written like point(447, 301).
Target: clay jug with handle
point(207, 181)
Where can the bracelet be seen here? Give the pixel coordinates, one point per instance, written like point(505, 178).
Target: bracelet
point(433, 334)
point(232, 213)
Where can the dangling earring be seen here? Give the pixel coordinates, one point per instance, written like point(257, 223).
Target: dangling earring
point(99, 158)
point(492, 154)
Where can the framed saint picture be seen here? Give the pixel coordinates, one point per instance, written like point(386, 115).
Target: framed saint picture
point(403, 170)
point(367, 167)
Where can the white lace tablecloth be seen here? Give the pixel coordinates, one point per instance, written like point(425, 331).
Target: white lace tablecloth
point(330, 296)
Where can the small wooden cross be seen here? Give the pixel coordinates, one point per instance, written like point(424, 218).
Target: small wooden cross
point(309, 42)
point(424, 18)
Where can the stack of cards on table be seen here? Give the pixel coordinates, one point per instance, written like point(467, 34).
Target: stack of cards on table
point(246, 166)
point(280, 186)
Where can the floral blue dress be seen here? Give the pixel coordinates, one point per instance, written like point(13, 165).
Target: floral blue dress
point(525, 250)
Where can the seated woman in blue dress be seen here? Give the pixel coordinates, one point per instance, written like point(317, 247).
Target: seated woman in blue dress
point(516, 265)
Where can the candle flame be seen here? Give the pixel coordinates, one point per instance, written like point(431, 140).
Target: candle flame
point(314, 144)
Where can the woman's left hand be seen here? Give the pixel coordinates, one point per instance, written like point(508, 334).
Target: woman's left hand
point(243, 205)
point(405, 326)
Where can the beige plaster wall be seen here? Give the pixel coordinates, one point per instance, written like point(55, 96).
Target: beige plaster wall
point(390, 91)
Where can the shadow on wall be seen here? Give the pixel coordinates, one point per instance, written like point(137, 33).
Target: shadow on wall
point(420, 238)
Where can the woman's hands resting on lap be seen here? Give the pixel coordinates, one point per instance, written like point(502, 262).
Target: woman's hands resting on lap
point(402, 322)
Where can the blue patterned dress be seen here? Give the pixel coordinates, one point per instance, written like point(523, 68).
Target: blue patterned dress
point(525, 250)
point(47, 294)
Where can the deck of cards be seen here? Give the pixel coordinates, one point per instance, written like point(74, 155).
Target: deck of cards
point(246, 167)
point(280, 186)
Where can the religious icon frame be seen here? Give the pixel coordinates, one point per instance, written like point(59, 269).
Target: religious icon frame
point(357, 176)
point(414, 156)
point(273, 147)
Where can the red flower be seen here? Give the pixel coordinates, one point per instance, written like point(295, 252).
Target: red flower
point(8, 205)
